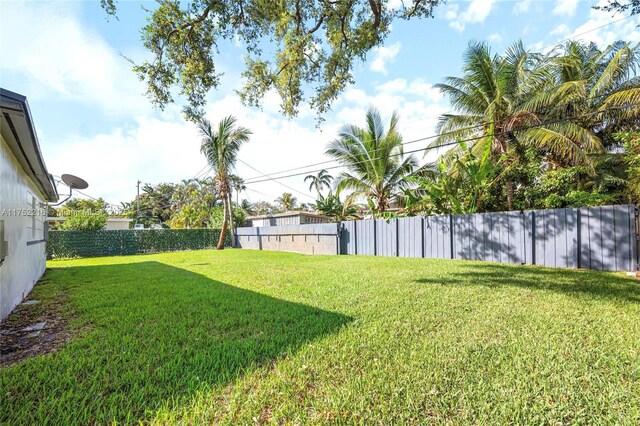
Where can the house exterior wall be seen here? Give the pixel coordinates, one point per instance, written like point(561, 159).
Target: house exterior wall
point(116, 225)
point(26, 259)
point(294, 219)
point(306, 239)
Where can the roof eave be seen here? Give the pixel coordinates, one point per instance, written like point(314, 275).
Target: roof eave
point(23, 141)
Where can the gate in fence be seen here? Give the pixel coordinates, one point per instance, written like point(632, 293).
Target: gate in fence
point(601, 238)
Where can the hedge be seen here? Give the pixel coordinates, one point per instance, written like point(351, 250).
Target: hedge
point(69, 244)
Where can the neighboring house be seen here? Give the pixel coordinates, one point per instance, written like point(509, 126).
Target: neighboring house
point(365, 213)
point(113, 223)
point(25, 187)
point(287, 218)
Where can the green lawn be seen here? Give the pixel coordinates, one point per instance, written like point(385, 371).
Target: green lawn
point(243, 337)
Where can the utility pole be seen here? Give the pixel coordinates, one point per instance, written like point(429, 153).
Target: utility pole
point(138, 200)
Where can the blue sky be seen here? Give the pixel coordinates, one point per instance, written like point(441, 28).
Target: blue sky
point(93, 121)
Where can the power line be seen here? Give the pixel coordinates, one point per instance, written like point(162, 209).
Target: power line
point(261, 193)
point(275, 180)
point(457, 142)
point(586, 32)
point(198, 175)
point(479, 125)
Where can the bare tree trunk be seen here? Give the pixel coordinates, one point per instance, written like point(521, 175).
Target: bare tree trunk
point(225, 222)
point(232, 228)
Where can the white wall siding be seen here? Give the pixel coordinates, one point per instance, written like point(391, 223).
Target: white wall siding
point(26, 260)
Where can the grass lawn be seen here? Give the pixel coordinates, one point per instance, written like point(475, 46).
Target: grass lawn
point(243, 337)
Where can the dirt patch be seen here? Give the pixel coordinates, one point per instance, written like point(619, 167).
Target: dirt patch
point(34, 328)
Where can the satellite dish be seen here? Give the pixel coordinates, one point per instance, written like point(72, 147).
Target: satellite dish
point(74, 182)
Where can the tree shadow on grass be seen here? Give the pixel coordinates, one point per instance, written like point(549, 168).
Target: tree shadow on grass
point(577, 283)
point(157, 335)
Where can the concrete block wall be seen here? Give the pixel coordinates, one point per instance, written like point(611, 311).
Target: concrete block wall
point(305, 239)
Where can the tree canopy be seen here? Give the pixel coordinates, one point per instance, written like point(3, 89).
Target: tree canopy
point(622, 6)
point(83, 215)
point(291, 46)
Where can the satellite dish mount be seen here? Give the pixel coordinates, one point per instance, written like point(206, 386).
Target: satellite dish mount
point(73, 182)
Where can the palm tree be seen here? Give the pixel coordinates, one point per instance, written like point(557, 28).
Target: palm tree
point(237, 184)
point(287, 201)
point(376, 166)
point(320, 181)
point(601, 87)
point(520, 90)
point(220, 146)
point(336, 209)
point(491, 91)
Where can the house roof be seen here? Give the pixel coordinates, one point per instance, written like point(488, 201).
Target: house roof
point(111, 219)
point(288, 214)
point(17, 129)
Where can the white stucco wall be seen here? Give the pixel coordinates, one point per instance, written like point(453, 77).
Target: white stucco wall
point(117, 224)
point(26, 260)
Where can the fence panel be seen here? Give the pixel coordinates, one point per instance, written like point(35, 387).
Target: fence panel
point(348, 238)
point(553, 238)
point(607, 238)
point(365, 237)
point(624, 237)
point(462, 228)
point(437, 237)
point(386, 238)
point(410, 237)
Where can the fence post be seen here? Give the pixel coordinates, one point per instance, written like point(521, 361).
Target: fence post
point(579, 238)
point(355, 237)
point(397, 237)
point(533, 237)
point(637, 236)
point(451, 254)
point(259, 238)
point(423, 242)
point(523, 246)
point(375, 237)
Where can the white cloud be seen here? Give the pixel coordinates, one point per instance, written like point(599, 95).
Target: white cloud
point(476, 13)
point(603, 29)
point(560, 30)
point(565, 7)
point(158, 150)
point(421, 88)
point(452, 12)
point(151, 150)
point(61, 57)
point(155, 150)
point(521, 7)
point(383, 55)
point(494, 38)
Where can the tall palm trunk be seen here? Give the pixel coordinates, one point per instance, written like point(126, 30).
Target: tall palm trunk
point(508, 185)
point(230, 215)
point(225, 220)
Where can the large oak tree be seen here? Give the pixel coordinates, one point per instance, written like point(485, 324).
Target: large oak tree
point(292, 46)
